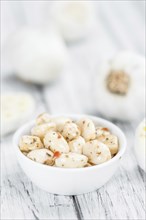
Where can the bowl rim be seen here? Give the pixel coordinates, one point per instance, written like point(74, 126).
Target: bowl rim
point(118, 156)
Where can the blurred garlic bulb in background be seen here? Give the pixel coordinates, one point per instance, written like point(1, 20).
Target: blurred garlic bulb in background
point(120, 87)
point(16, 108)
point(36, 55)
point(75, 19)
point(140, 144)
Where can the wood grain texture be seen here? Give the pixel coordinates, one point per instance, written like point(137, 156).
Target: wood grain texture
point(123, 197)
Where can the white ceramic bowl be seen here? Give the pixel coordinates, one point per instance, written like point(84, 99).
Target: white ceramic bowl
point(70, 181)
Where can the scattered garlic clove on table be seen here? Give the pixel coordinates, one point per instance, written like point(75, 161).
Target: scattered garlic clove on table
point(16, 108)
point(140, 144)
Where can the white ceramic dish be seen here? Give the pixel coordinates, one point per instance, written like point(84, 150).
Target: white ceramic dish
point(70, 181)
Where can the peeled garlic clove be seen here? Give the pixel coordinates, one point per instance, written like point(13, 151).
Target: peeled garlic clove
point(60, 122)
point(41, 155)
point(140, 144)
point(76, 145)
point(36, 55)
point(121, 84)
point(100, 131)
point(87, 128)
point(75, 19)
point(28, 143)
point(16, 108)
point(97, 152)
point(70, 131)
point(41, 130)
point(56, 142)
point(111, 141)
point(71, 160)
point(43, 118)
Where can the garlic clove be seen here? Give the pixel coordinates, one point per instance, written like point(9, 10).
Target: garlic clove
point(71, 160)
point(101, 131)
point(87, 128)
point(42, 129)
point(76, 145)
point(60, 122)
point(16, 108)
point(97, 152)
point(43, 118)
point(43, 156)
point(56, 142)
point(140, 144)
point(70, 131)
point(111, 141)
point(28, 143)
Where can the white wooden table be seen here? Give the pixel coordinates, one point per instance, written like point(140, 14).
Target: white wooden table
point(120, 26)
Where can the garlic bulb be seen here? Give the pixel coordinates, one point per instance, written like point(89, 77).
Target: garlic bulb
point(140, 144)
point(36, 56)
point(75, 19)
point(16, 108)
point(120, 87)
